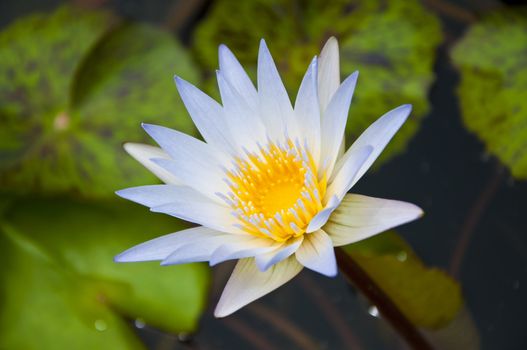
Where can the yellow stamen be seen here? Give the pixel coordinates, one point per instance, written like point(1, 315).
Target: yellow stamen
point(275, 191)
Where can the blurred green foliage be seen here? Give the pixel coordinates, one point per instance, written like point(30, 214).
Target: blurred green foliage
point(74, 85)
point(391, 43)
point(427, 296)
point(492, 58)
point(62, 290)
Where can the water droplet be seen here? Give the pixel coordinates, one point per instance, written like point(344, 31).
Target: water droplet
point(402, 256)
point(139, 323)
point(184, 337)
point(100, 325)
point(372, 310)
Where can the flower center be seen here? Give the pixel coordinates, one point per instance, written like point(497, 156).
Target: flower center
point(275, 191)
point(279, 195)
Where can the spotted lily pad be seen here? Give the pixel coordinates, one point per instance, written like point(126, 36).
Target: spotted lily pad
point(75, 85)
point(61, 289)
point(391, 43)
point(493, 64)
point(427, 296)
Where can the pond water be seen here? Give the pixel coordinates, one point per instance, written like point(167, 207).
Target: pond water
point(474, 227)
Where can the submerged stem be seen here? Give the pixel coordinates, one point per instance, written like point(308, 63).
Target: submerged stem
point(451, 10)
point(288, 328)
point(253, 337)
point(473, 217)
point(331, 312)
point(362, 281)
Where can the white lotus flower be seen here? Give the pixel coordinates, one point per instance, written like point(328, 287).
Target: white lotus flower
point(269, 186)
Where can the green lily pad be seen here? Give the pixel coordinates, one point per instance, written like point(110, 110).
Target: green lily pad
point(493, 65)
point(427, 296)
point(59, 282)
point(75, 85)
point(40, 310)
point(391, 43)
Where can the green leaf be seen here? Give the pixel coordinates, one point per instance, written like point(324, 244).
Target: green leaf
point(391, 43)
point(493, 64)
point(43, 306)
point(427, 296)
point(60, 282)
point(75, 85)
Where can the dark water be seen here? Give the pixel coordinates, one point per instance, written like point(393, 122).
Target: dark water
point(446, 171)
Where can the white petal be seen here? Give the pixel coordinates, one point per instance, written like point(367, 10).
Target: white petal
point(317, 253)
point(329, 79)
point(156, 195)
point(235, 74)
point(338, 188)
point(203, 177)
point(206, 114)
point(307, 111)
point(329, 72)
point(348, 173)
point(144, 153)
point(342, 148)
point(198, 250)
point(243, 247)
point(176, 143)
point(281, 252)
point(377, 135)
point(359, 217)
point(322, 216)
point(334, 121)
point(202, 211)
point(194, 162)
point(247, 283)
point(161, 247)
point(275, 107)
point(242, 119)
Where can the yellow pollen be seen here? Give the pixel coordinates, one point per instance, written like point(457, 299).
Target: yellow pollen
point(275, 191)
point(277, 196)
